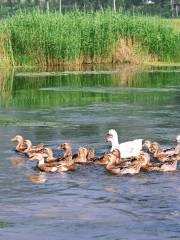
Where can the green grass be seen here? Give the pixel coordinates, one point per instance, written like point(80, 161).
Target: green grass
point(86, 37)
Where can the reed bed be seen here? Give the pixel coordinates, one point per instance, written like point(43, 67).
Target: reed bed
point(88, 37)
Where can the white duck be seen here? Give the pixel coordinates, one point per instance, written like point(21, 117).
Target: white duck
point(177, 148)
point(127, 149)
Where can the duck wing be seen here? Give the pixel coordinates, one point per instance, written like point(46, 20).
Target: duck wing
point(131, 148)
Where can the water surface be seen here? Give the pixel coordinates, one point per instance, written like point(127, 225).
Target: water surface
point(79, 107)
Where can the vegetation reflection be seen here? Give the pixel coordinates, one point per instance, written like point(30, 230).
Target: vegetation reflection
point(127, 84)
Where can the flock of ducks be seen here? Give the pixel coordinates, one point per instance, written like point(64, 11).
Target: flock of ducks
point(125, 158)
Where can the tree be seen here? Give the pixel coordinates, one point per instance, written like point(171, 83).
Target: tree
point(114, 5)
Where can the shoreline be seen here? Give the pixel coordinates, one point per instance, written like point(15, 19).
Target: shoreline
point(89, 65)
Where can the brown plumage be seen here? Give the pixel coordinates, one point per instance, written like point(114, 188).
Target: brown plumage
point(67, 164)
point(82, 156)
point(163, 156)
point(169, 166)
point(30, 150)
point(166, 154)
point(90, 154)
point(126, 166)
point(21, 146)
point(102, 160)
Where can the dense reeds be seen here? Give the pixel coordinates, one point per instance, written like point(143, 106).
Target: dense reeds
point(81, 37)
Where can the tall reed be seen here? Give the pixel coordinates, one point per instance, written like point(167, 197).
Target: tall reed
point(87, 37)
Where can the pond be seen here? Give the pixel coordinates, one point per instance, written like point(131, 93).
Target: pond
point(78, 107)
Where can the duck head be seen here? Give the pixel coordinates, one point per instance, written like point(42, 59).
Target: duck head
point(112, 136)
point(66, 147)
point(147, 144)
point(18, 138)
point(39, 146)
point(114, 156)
point(90, 153)
point(82, 152)
point(155, 147)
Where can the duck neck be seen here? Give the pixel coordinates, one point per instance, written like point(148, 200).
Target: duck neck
point(81, 156)
point(177, 149)
point(20, 142)
point(29, 146)
point(114, 142)
point(69, 160)
point(156, 152)
point(50, 154)
point(111, 163)
point(68, 153)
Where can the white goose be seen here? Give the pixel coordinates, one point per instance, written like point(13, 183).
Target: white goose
point(127, 149)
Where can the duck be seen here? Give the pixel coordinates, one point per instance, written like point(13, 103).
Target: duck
point(48, 153)
point(168, 166)
point(165, 155)
point(126, 167)
point(102, 160)
point(128, 149)
point(21, 146)
point(53, 167)
point(90, 154)
point(147, 146)
point(81, 156)
point(84, 155)
point(68, 152)
point(177, 148)
point(30, 150)
point(154, 146)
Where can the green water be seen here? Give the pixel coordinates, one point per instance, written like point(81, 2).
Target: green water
point(72, 88)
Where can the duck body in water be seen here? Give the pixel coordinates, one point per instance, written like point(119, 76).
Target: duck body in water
point(67, 164)
point(163, 155)
point(53, 166)
point(169, 166)
point(128, 149)
point(126, 167)
point(166, 155)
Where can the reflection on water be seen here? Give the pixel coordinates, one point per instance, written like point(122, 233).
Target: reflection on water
point(127, 84)
point(79, 107)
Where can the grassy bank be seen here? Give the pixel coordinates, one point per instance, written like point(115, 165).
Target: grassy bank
point(176, 23)
point(79, 37)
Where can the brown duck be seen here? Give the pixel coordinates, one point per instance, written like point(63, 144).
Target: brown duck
point(30, 150)
point(21, 146)
point(57, 166)
point(167, 155)
point(169, 166)
point(84, 155)
point(128, 166)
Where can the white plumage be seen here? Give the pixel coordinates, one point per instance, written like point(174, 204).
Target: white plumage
point(178, 138)
point(127, 149)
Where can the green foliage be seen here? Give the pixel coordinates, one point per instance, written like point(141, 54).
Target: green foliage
point(50, 39)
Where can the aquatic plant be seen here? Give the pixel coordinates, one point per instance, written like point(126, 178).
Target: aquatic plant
point(89, 37)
